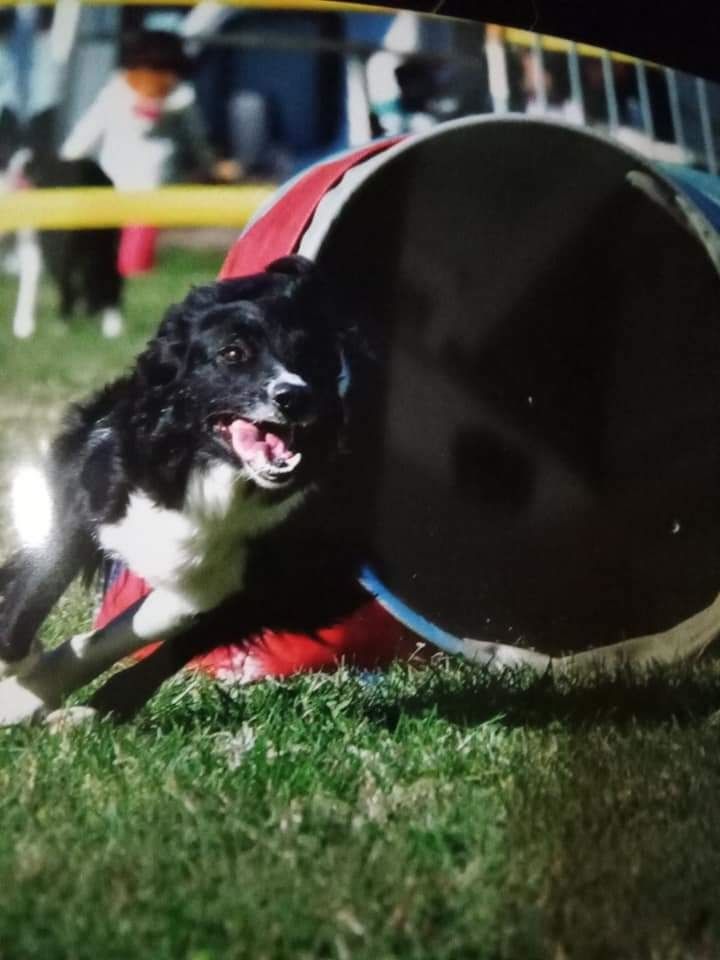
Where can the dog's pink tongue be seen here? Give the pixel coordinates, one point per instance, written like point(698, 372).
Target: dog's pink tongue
point(277, 448)
point(245, 438)
point(249, 442)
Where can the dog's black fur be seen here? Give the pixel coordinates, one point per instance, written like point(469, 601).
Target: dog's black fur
point(153, 429)
point(82, 263)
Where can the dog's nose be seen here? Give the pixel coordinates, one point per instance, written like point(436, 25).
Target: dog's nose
point(293, 400)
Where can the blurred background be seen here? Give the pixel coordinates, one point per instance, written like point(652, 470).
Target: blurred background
point(278, 88)
point(142, 97)
point(253, 94)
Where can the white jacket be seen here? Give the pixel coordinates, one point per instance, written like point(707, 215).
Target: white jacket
point(141, 144)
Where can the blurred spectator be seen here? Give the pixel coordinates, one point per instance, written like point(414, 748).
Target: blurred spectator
point(692, 118)
point(9, 98)
point(29, 79)
point(659, 102)
point(545, 85)
point(144, 127)
point(274, 106)
point(542, 87)
point(415, 83)
point(594, 92)
point(145, 130)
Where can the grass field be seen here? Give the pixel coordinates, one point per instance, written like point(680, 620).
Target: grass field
point(434, 815)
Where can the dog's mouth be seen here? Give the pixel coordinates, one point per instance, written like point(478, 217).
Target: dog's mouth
point(266, 450)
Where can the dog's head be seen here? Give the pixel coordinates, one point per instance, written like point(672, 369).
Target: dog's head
point(256, 370)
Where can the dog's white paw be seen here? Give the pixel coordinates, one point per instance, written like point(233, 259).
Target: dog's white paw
point(67, 718)
point(112, 323)
point(23, 324)
point(18, 704)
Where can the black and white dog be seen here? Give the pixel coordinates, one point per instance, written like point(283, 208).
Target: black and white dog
point(215, 471)
point(83, 264)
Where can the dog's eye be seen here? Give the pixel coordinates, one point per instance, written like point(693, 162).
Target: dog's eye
point(235, 353)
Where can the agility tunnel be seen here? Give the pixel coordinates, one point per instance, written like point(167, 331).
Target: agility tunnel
point(546, 462)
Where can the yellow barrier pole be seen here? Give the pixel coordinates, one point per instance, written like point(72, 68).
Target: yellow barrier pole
point(316, 5)
point(525, 38)
point(87, 207)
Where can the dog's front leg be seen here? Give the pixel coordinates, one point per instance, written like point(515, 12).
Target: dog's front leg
point(30, 261)
point(128, 690)
point(56, 673)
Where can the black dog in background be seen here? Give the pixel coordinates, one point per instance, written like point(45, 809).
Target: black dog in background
point(216, 470)
point(82, 263)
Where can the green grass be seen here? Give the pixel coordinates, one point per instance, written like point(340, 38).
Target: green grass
point(434, 815)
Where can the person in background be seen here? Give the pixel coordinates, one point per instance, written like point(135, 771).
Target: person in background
point(9, 106)
point(427, 71)
point(145, 130)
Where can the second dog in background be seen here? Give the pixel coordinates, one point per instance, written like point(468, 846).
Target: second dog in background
point(82, 263)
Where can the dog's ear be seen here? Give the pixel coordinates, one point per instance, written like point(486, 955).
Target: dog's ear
point(275, 280)
point(198, 300)
point(291, 266)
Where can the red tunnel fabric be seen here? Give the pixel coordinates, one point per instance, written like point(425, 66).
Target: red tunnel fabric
point(278, 230)
point(370, 637)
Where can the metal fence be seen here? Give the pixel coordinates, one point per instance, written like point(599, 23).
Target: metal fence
point(692, 103)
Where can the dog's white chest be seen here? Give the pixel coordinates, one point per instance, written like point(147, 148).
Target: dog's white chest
point(199, 551)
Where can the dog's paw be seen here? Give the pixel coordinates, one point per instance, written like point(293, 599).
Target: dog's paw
point(19, 668)
point(68, 718)
point(7, 668)
point(18, 704)
point(112, 323)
